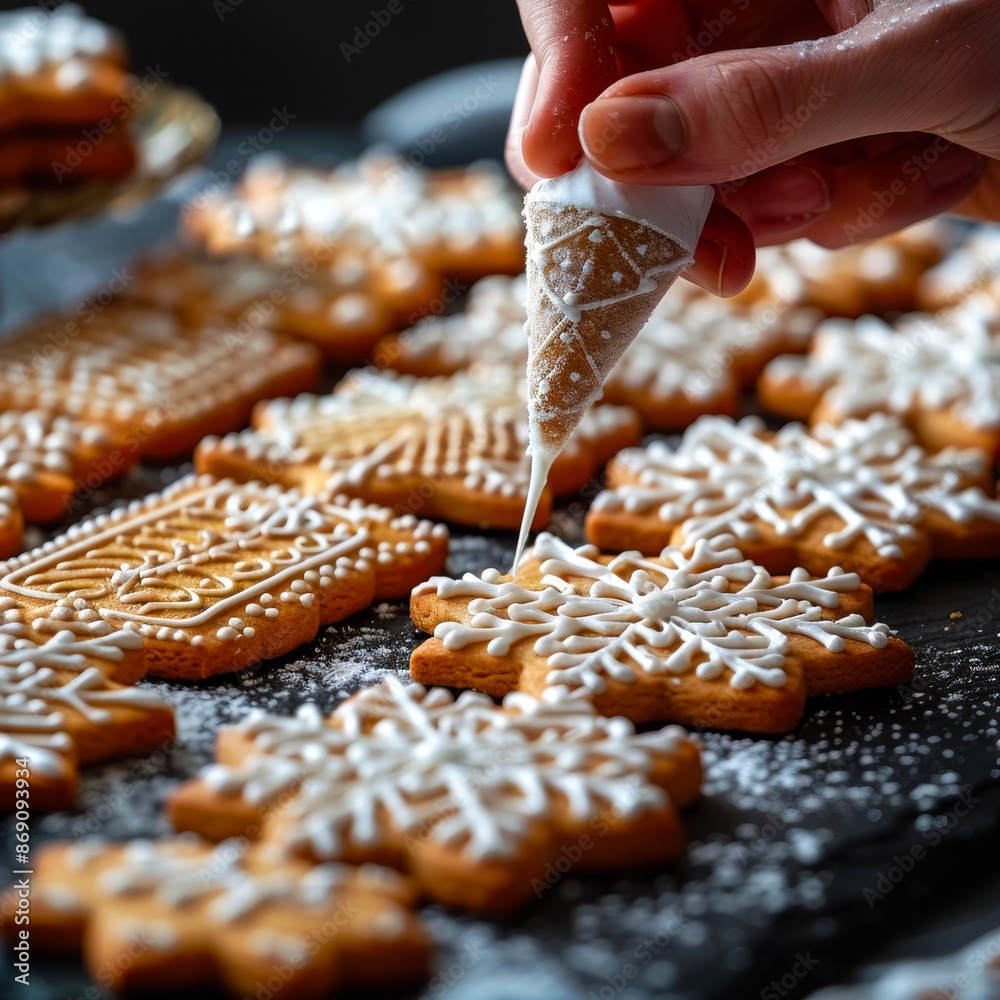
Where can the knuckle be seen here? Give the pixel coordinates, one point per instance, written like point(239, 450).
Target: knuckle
point(749, 102)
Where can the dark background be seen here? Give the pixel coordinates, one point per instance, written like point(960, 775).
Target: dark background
point(246, 56)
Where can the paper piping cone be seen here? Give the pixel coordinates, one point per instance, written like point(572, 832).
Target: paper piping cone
point(600, 256)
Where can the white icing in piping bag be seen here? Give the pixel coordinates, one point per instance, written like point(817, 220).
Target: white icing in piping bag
point(600, 256)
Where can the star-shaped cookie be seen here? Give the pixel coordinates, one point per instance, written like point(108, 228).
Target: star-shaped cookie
point(940, 374)
point(703, 638)
point(450, 447)
point(863, 496)
point(479, 802)
point(182, 915)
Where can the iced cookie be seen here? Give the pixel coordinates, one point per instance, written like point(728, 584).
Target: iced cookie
point(64, 80)
point(863, 496)
point(46, 459)
point(60, 709)
point(216, 576)
point(704, 638)
point(343, 307)
point(450, 447)
point(476, 800)
point(180, 915)
point(465, 223)
point(693, 356)
point(874, 276)
point(939, 374)
point(157, 384)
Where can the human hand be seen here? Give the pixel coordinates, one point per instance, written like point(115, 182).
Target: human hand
point(828, 121)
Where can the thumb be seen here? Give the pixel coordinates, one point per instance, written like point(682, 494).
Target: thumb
point(723, 116)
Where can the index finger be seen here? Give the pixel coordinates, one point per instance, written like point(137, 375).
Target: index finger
point(573, 42)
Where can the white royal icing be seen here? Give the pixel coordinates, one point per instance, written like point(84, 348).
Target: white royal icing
point(464, 773)
point(569, 358)
point(35, 442)
point(378, 202)
point(686, 350)
point(724, 477)
point(37, 679)
point(594, 621)
point(33, 39)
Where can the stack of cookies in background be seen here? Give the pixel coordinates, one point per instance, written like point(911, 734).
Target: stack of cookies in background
point(341, 355)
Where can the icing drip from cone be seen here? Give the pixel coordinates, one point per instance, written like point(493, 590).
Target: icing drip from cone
point(600, 256)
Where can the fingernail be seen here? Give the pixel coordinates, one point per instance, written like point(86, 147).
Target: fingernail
point(627, 133)
point(951, 166)
point(789, 191)
point(712, 256)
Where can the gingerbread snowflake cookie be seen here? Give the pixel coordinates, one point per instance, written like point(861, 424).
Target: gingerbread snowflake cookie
point(216, 576)
point(703, 638)
point(60, 707)
point(874, 276)
point(863, 496)
point(940, 374)
point(477, 800)
point(147, 377)
point(181, 914)
point(450, 447)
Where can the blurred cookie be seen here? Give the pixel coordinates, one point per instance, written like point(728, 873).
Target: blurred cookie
point(476, 800)
point(464, 222)
point(939, 374)
point(343, 308)
point(157, 384)
point(692, 357)
point(183, 915)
